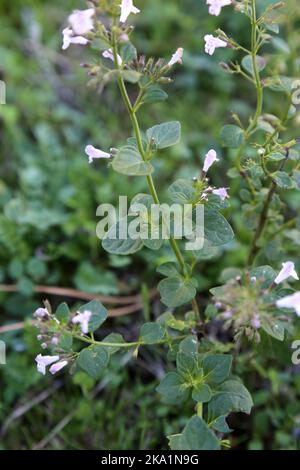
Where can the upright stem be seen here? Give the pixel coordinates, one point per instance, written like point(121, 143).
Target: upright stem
point(137, 133)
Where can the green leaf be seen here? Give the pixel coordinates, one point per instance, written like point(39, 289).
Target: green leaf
point(217, 368)
point(112, 243)
point(296, 175)
point(175, 442)
point(165, 135)
point(113, 338)
point(65, 341)
point(172, 389)
point(131, 76)
point(186, 364)
point(189, 345)
point(176, 291)
point(154, 94)
point(282, 180)
point(62, 313)
point(168, 269)
point(216, 228)
point(232, 136)
point(201, 393)
point(93, 360)
point(196, 436)
point(128, 52)
point(221, 425)
point(128, 161)
point(151, 333)
point(273, 328)
point(247, 63)
point(182, 191)
point(265, 274)
point(99, 314)
point(230, 396)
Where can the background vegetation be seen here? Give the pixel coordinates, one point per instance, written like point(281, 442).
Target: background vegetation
point(48, 199)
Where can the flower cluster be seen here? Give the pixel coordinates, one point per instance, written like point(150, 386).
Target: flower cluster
point(247, 303)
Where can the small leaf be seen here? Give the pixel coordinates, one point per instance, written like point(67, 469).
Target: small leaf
point(230, 396)
point(283, 180)
point(93, 360)
point(99, 314)
point(114, 243)
point(65, 341)
point(197, 436)
point(201, 393)
point(273, 328)
point(128, 52)
point(217, 368)
point(172, 389)
point(183, 192)
point(128, 161)
point(151, 333)
point(131, 76)
point(247, 63)
point(62, 313)
point(165, 135)
point(265, 274)
point(216, 228)
point(176, 291)
point(232, 136)
point(168, 269)
point(114, 338)
point(154, 94)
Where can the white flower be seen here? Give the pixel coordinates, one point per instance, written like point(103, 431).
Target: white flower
point(221, 192)
point(290, 301)
point(81, 21)
point(212, 43)
point(177, 57)
point(215, 6)
point(41, 313)
point(210, 159)
point(57, 367)
point(69, 38)
point(83, 319)
point(288, 270)
point(127, 7)
point(109, 55)
point(92, 153)
point(44, 361)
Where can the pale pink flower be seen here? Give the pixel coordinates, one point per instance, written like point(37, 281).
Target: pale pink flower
point(288, 270)
point(109, 55)
point(290, 301)
point(92, 153)
point(69, 38)
point(255, 321)
point(127, 7)
point(226, 315)
point(212, 43)
point(57, 367)
point(81, 21)
point(210, 159)
point(221, 192)
point(83, 319)
point(176, 57)
point(44, 361)
point(215, 6)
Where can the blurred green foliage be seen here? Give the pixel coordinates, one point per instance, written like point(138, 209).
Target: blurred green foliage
point(48, 200)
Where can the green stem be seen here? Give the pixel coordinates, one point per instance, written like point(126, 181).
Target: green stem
point(133, 344)
point(137, 133)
